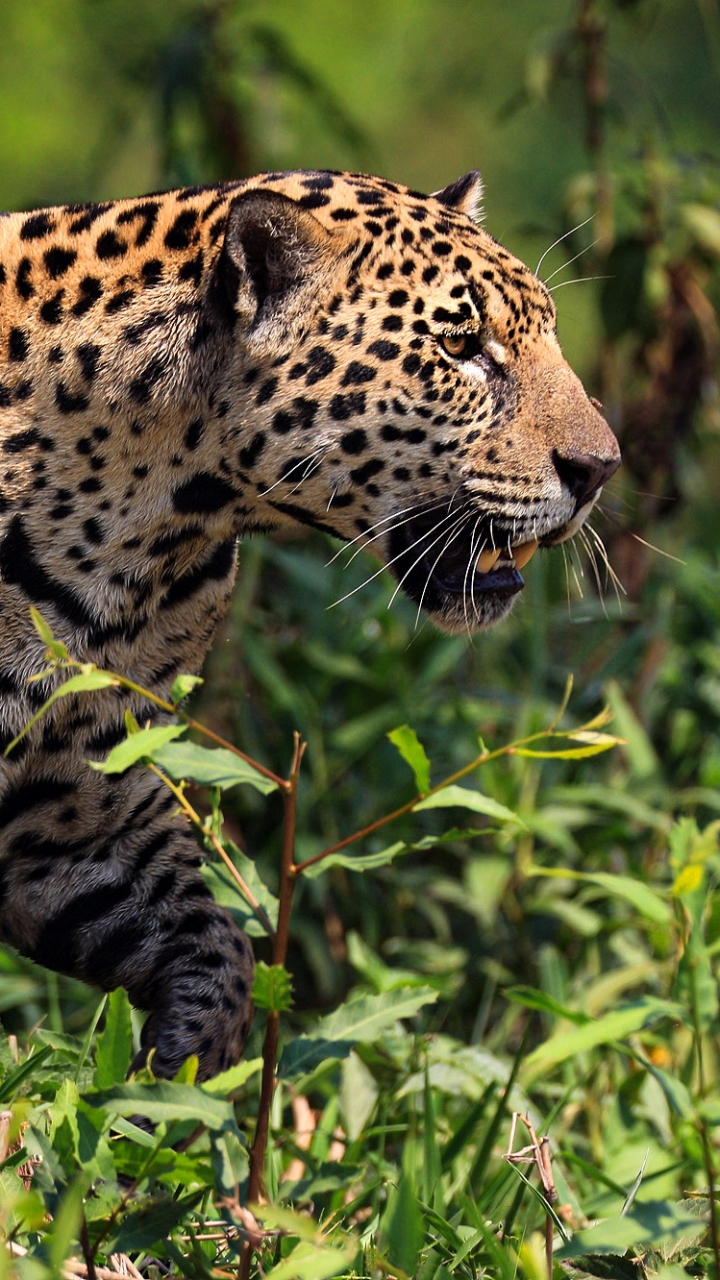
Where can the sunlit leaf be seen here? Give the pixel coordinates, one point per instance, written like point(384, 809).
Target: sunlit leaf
point(138, 746)
point(310, 1261)
point(646, 900)
point(228, 893)
point(182, 687)
point(599, 742)
point(413, 753)
point(358, 1021)
point(114, 1045)
point(544, 1003)
point(653, 1222)
point(216, 767)
point(41, 626)
point(612, 1026)
point(688, 880)
point(272, 988)
point(401, 1227)
point(164, 1100)
point(596, 739)
point(462, 797)
point(86, 682)
point(227, 1082)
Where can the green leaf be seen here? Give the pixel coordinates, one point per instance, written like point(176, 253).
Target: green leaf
point(371, 861)
point(315, 1257)
point(88, 681)
point(138, 746)
point(230, 1081)
point(696, 984)
point(182, 687)
point(332, 1175)
point(12, 1084)
point(114, 1045)
point(227, 892)
point(617, 1025)
point(358, 1095)
point(164, 1100)
point(358, 1021)
point(646, 900)
point(677, 1094)
point(413, 753)
point(600, 742)
point(64, 1230)
point(402, 1228)
point(230, 1160)
point(653, 1222)
point(463, 798)
point(309, 1261)
point(41, 626)
point(215, 767)
point(272, 988)
point(143, 1227)
point(639, 750)
point(529, 998)
point(358, 861)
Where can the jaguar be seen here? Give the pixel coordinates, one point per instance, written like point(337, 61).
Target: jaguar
point(177, 371)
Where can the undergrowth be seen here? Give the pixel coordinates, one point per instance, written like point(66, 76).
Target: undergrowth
point(569, 1127)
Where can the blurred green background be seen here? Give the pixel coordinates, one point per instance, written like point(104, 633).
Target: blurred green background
point(592, 120)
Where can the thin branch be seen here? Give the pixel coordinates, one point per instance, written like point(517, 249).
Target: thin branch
point(171, 708)
point(483, 758)
point(197, 821)
point(88, 1252)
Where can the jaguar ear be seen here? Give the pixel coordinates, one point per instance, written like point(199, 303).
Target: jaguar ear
point(465, 195)
point(272, 252)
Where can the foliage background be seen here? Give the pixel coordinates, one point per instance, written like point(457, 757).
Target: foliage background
point(571, 108)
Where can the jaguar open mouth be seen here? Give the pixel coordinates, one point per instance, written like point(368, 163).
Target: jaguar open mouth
point(441, 565)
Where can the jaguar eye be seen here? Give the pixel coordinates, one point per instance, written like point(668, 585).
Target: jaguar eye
point(455, 344)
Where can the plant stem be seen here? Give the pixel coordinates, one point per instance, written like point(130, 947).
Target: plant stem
point(279, 956)
point(287, 863)
point(197, 821)
point(710, 1174)
point(88, 1252)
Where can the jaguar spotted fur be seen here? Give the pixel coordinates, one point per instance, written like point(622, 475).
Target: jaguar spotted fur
point(185, 368)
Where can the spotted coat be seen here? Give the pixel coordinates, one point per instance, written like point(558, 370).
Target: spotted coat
point(182, 369)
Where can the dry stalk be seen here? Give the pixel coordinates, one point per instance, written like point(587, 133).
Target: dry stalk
point(537, 1153)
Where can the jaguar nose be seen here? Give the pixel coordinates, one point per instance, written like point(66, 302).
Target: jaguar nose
point(583, 473)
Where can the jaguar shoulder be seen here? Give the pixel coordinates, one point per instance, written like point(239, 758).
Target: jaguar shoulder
point(181, 369)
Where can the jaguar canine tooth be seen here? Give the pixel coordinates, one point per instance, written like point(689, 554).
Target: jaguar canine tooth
point(486, 560)
point(523, 553)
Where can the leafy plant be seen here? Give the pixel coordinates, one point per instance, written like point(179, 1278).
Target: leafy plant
point(373, 1145)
